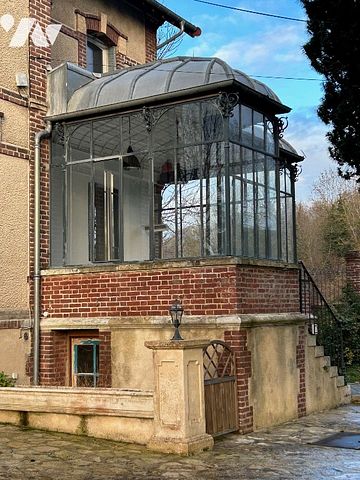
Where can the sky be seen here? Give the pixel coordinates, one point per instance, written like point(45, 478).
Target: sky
point(266, 46)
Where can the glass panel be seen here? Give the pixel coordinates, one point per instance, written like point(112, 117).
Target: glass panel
point(164, 132)
point(136, 214)
point(57, 204)
point(269, 136)
point(290, 229)
point(107, 137)
point(234, 125)
point(272, 208)
point(106, 237)
point(135, 137)
point(259, 131)
point(260, 195)
point(189, 201)
point(94, 58)
point(188, 123)
point(287, 219)
point(78, 213)
point(248, 203)
point(165, 238)
point(213, 192)
point(79, 142)
point(86, 363)
point(236, 208)
point(246, 125)
point(212, 122)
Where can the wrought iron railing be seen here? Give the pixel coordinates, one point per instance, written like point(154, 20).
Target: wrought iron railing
point(324, 322)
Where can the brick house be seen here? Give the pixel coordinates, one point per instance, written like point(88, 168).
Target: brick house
point(154, 180)
point(100, 36)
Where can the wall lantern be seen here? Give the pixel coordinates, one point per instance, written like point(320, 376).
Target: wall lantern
point(176, 312)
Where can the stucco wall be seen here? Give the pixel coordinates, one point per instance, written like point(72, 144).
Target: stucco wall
point(14, 352)
point(12, 60)
point(274, 381)
point(132, 363)
point(13, 233)
point(15, 124)
point(322, 390)
point(127, 20)
point(65, 47)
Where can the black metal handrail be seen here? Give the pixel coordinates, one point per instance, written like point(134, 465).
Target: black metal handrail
point(324, 322)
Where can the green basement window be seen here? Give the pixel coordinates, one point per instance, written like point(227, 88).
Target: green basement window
point(85, 364)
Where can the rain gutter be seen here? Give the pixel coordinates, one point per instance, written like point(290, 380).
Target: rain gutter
point(39, 136)
point(173, 18)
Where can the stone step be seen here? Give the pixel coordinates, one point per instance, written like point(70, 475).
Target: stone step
point(325, 361)
point(311, 340)
point(340, 381)
point(345, 392)
point(333, 371)
point(319, 351)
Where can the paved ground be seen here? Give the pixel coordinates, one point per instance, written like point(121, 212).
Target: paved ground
point(280, 453)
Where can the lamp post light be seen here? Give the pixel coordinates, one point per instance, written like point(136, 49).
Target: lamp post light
point(176, 312)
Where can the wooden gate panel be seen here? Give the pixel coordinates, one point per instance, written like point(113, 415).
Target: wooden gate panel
point(220, 389)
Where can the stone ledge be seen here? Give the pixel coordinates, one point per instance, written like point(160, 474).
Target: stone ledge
point(78, 401)
point(166, 264)
point(235, 321)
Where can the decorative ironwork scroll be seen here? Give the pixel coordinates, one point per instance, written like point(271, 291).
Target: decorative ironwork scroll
point(58, 128)
point(152, 116)
point(281, 124)
point(226, 102)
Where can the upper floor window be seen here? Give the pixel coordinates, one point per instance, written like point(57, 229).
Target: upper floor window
point(100, 58)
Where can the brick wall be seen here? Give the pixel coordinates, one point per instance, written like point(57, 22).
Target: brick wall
point(300, 363)
point(352, 260)
point(150, 41)
point(210, 290)
point(237, 340)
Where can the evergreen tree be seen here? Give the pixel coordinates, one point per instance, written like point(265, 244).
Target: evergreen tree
point(334, 52)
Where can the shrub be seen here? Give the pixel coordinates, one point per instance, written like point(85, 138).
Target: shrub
point(6, 381)
point(349, 309)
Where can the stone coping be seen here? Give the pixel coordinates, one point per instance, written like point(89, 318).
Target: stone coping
point(160, 322)
point(177, 344)
point(79, 401)
point(167, 264)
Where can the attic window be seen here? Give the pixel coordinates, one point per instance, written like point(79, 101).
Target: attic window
point(100, 58)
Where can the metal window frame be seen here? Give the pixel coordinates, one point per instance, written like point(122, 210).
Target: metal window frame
point(228, 248)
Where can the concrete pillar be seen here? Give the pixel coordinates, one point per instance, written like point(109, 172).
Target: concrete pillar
point(352, 260)
point(179, 423)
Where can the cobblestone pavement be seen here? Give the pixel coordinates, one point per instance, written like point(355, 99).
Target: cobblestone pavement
point(283, 453)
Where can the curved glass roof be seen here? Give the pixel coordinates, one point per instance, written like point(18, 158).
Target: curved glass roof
point(164, 77)
point(287, 147)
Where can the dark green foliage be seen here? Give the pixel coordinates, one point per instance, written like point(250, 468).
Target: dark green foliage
point(337, 237)
point(6, 381)
point(349, 309)
point(334, 52)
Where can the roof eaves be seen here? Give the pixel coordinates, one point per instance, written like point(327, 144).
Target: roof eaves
point(173, 18)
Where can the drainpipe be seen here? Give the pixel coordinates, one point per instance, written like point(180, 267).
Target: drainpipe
point(174, 37)
point(37, 266)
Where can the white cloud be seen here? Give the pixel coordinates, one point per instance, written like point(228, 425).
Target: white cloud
point(307, 134)
point(265, 48)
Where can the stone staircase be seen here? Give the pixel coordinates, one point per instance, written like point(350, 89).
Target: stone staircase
point(325, 387)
